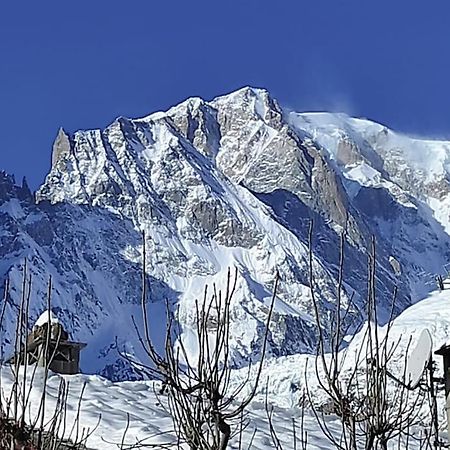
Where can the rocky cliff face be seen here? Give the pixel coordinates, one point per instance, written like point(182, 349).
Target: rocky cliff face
point(233, 182)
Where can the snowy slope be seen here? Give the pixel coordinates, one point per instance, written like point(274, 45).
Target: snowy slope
point(149, 421)
point(233, 182)
point(105, 407)
point(370, 153)
point(287, 374)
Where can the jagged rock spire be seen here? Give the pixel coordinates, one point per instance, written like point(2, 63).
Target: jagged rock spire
point(24, 192)
point(61, 146)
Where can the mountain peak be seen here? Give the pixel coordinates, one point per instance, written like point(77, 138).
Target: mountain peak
point(257, 99)
point(248, 90)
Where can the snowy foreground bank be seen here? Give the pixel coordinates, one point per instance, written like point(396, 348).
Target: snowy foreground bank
point(108, 407)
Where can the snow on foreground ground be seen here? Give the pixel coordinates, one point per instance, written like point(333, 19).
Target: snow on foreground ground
point(149, 421)
point(105, 406)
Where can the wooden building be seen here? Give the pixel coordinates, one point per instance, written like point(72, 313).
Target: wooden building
point(53, 347)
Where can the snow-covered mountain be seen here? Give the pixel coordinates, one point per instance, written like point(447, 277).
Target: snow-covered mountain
point(233, 182)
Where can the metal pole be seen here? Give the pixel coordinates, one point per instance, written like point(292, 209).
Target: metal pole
point(434, 412)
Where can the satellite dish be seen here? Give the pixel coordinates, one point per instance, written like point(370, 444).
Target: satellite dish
point(418, 359)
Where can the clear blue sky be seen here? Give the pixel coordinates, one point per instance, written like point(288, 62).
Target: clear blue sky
point(82, 63)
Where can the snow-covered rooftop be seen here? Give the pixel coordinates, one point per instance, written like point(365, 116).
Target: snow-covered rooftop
point(44, 318)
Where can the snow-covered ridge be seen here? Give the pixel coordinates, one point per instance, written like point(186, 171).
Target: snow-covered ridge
point(376, 155)
point(232, 182)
